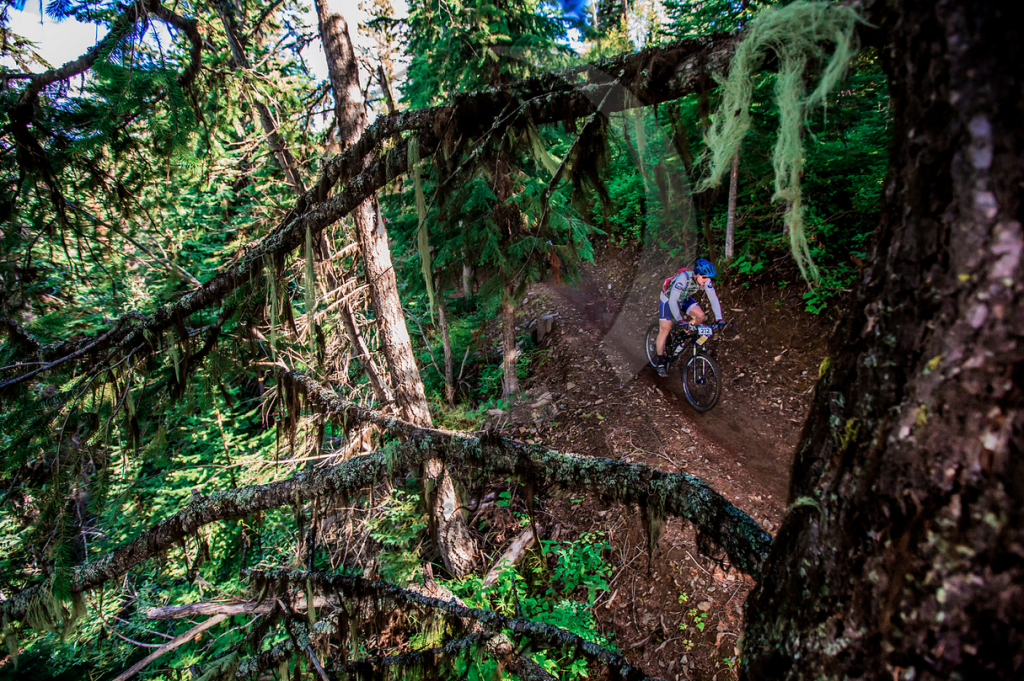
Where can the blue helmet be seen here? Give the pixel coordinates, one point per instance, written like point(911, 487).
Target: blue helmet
point(704, 268)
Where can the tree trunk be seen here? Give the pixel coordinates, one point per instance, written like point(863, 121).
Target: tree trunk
point(467, 280)
point(901, 556)
point(730, 220)
point(380, 275)
point(454, 542)
point(508, 343)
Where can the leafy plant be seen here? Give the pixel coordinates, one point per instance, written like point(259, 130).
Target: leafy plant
point(533, 591)
point(580, 563)
point(697, 618)
point(399, 530)
point(745, 266)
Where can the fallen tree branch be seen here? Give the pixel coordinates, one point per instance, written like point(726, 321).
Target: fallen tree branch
point(174, 612)
point(169, 646)
point(671, 494)
point(515, 553)
point(354, 587)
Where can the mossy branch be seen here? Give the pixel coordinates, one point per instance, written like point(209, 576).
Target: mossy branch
point(676, 494)
point(368, 667)
point(359, 588)
point(649, 77)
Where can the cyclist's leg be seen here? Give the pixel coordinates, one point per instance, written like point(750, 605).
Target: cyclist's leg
point(693, 310)
point(665, 326)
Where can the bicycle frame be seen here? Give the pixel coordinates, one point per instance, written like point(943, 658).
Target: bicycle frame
point(680, 339)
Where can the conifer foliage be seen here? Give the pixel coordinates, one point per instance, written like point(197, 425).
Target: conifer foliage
point(204, 469)
point(156, 286)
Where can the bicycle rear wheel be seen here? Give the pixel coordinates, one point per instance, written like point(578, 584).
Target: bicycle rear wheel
point(702, 381)
point(651, 344)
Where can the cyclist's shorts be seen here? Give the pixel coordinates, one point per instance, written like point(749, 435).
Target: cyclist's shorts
point(665, 313)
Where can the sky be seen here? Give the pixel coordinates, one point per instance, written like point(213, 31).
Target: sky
point(64, 41)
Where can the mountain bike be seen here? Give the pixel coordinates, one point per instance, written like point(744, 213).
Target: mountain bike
point(702, 379)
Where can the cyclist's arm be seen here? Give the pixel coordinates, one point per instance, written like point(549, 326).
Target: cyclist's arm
point(716, 307)
point(673, 299)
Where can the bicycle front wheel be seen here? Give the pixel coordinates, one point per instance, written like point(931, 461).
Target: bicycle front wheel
point(702, 381)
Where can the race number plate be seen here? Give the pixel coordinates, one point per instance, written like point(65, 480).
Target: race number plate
point(705, 332)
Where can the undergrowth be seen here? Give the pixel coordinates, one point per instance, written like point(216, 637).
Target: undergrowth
point(558, 588)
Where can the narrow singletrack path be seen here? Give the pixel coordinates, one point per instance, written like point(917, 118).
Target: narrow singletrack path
point(594, 394)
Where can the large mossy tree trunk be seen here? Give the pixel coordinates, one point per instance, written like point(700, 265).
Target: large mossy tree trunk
point(454, 541)
point(902, 555)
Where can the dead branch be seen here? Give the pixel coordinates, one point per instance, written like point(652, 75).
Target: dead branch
point(380, 388)
point(169, 646)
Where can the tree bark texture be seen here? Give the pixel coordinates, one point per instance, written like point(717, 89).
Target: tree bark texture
point(730, 218)
point(454, 541)
point(902, 555)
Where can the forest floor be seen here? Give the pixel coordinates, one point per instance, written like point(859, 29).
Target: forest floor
point(592, 392)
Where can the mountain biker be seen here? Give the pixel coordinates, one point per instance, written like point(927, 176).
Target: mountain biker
point(677, 301)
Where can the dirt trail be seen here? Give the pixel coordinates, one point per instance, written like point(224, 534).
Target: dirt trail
point(595, 394)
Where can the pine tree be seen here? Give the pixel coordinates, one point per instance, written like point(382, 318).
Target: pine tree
point(495, 212)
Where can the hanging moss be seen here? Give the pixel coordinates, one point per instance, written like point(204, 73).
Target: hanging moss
point(272, 302)
point(800, 35)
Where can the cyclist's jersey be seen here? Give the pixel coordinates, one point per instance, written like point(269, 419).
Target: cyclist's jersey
point(683, 286)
